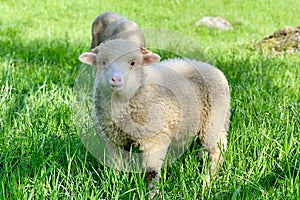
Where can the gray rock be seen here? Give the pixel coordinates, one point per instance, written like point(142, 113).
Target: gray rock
point(215, 22)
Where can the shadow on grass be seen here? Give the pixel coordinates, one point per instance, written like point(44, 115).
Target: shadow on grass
point(29, 65)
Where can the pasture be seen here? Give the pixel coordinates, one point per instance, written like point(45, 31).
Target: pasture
point(41, 153)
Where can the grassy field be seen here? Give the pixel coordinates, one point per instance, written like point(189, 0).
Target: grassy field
point(41, 154)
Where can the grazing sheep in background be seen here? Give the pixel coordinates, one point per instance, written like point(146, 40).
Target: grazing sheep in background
point(110, 25)
point(153, 105)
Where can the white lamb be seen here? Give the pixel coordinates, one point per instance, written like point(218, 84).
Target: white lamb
point(155, 105)
point(111, 25)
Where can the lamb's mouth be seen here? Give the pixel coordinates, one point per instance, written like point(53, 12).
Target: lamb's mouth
point(116, 87)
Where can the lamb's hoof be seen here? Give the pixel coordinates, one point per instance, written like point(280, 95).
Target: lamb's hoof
point(153, 193)
point(207, 180)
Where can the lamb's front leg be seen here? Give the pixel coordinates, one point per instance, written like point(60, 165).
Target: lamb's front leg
point(153, 158)
point(113, 156)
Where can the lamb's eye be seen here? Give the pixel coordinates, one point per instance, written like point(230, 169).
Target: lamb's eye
point(104, 62)
point(132, 63)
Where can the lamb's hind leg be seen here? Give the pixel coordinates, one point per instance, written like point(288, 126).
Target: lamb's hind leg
point(216, 157)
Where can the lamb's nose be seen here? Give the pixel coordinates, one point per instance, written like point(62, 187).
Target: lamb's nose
point(116, 79)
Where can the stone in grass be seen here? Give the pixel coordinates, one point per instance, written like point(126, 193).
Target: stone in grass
point(215, 22)
point(285, 40)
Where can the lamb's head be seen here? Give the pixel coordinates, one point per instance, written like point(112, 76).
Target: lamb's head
point(114, 58)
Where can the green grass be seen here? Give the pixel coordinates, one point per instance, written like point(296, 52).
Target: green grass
point(41, 154)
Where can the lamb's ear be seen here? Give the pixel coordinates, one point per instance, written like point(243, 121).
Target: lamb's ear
point(88, 58)
point(149, 57)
